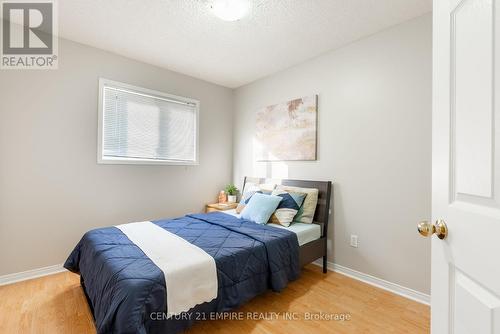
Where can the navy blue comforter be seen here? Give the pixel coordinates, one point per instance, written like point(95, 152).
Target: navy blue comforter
point(127, 292)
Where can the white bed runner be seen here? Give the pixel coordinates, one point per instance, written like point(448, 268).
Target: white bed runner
point(190, 273)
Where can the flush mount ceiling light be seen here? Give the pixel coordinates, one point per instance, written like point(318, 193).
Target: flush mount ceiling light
point(230, 10)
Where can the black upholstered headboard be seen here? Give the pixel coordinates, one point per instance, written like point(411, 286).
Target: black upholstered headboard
point(324, 196)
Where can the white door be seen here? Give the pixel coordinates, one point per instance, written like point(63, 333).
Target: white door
point(465, 295)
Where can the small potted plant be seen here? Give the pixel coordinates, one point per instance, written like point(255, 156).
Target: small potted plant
point(231, 192)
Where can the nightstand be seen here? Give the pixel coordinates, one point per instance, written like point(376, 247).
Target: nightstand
point(220, 207)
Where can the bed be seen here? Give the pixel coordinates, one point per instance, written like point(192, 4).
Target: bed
point(127, 290)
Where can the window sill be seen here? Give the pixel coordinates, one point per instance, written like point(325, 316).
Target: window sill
point(132, 161)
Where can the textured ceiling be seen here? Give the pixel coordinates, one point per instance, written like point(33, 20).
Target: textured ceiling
point(184, 36)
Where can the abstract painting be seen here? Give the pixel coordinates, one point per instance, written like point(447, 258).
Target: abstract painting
point(287, 131)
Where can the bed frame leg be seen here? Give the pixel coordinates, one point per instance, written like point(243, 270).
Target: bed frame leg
point(324, 265)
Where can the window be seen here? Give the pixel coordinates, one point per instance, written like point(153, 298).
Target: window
point(141, 126)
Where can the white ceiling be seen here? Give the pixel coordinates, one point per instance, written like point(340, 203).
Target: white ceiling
point(184, 36)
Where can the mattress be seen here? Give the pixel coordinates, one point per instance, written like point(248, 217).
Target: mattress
point(305, 232)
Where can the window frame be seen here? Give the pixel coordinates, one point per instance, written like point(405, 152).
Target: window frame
point(149, 92)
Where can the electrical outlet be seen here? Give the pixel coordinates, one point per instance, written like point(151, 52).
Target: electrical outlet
point(354, 240)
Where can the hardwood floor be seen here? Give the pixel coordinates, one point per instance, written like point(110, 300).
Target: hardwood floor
point(56, 304)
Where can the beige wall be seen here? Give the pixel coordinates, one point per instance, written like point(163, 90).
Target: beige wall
point(374, 143)
point(51, 188)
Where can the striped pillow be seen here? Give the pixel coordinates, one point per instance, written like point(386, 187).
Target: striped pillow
point(288, 207)
point(307, 210)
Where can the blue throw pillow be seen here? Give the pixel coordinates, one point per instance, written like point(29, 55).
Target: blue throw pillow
point(245, 199)
point(260, 208)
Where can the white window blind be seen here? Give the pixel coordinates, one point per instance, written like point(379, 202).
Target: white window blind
point(140, 126)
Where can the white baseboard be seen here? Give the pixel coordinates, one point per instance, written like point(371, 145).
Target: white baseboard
point(379, 283)
point(29, 274)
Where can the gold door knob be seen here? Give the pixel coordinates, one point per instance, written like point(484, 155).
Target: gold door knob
point(426, 229)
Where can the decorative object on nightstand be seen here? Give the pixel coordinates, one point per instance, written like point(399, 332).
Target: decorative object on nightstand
point(231, 192)
point(220, 207)
point(222, 197)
